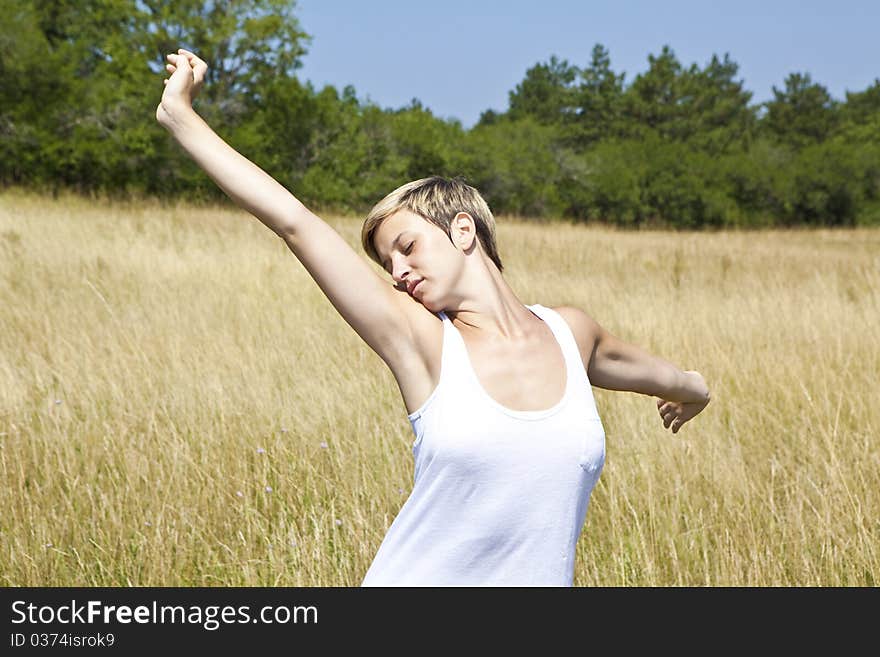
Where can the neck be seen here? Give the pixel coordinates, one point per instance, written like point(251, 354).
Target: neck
point(489, 308)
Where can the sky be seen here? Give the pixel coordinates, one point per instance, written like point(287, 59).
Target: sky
point(461, 57)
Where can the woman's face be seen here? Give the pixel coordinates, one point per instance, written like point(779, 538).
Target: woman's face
point(416, 252)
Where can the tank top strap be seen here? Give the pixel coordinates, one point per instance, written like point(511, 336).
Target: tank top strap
point(450, 367)
point(454, 362)
point(566, 340)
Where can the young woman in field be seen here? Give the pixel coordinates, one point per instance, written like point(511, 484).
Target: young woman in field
point(508, 442)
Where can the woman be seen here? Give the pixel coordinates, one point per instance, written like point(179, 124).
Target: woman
point(509, 443)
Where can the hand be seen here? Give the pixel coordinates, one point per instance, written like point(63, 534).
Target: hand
point(186, 81)
point(675, 414)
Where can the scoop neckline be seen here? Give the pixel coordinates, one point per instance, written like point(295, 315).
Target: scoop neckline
point(539, 414)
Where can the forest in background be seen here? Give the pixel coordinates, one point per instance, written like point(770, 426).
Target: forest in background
point(678, 146)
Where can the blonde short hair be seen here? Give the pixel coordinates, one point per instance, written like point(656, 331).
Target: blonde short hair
point(437, 200)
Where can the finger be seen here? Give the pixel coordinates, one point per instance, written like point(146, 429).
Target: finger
point(182, 64)
point(676, 425)
point(194, 59)
point(200, 69)
point(200, 66)
point(178, 60)
point(189, 54)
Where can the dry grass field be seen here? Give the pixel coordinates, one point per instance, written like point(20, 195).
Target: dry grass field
point(180, 405)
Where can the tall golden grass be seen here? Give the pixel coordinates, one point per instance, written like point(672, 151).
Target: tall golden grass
point(180, 404)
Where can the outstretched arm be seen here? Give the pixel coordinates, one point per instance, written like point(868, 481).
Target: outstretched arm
point(622, 366)
point(614, 364)
point(619, 365)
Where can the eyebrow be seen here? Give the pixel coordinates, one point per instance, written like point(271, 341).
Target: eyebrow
point(393, 244)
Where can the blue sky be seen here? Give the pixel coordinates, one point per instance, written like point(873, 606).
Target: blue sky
point(461, 57)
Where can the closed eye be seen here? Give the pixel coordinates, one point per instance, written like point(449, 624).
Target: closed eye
point(408, 249)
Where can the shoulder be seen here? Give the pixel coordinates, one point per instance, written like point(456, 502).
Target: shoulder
point(582, 325)
point(585, 329)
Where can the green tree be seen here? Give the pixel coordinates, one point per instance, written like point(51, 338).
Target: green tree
point(26, 88)
point(547, 93)
point(599, 97)
point(706, 106)
point(860, 116)
point(803, 113)
point(86, 77)
point(717, 113)
point(862, 106)
point(652, 100)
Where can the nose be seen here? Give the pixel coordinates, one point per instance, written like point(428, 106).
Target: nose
point(399, 272)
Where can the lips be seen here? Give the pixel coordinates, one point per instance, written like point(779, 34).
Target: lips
point(411, 287)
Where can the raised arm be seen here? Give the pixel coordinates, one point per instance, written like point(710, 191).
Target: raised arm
point(370, 305)
point(244, 182)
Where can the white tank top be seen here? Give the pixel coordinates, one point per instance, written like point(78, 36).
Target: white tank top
point(500, 495)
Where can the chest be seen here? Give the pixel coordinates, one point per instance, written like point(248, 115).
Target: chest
point(528, 377)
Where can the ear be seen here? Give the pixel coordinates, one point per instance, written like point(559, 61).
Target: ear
point(464, 230)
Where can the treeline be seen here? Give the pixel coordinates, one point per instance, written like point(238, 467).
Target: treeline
point(677, 146)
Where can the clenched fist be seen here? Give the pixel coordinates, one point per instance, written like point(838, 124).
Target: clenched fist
point(187, 77)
